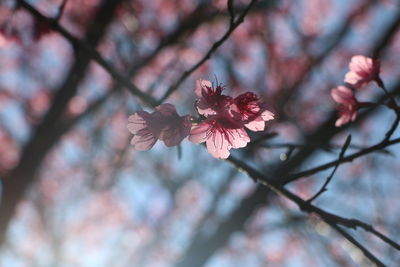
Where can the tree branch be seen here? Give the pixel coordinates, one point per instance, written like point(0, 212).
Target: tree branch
point(323, 188)
point(92, 53)
point(23, 175)
point(306, 206)
point(233, 25)
point(374, 148)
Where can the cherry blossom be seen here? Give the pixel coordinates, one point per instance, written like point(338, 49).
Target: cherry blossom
point(251, 111)
point(226, 119)
point(163, 124)
point(211, 100)
point(222, 124)
point(348, 104)
point(174, 127)
point(221, 133)
point(362, 70)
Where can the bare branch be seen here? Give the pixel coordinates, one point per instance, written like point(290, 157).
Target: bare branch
point(349, 158)
point(324, 186)
point(330, 219)
point(231, 11)
point(60, 10)
point(45, 136)
point(92, 53)
point(214, 47)
point(364, 250)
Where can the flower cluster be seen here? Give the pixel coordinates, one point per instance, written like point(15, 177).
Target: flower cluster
point(226, 119)
point(362, 71)
point(221, 125)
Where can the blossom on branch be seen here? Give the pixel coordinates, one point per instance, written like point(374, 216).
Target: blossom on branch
point(221, 125)
point(362, 70)
point(348, 104)
point(163, 124)
point(226, 119)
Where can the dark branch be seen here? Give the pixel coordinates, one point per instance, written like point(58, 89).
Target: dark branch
point(364, 250)
point(371, 149)
point(92, 53)
point(15, 183)
point(231, 11)
point(324, 186)
point(213, 48)
point(60, 10)
point(306, 206)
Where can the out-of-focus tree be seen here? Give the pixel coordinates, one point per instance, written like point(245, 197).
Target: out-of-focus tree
point(302, 192)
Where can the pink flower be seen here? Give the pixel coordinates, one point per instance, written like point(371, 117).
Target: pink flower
point(348, 104)
point(362, 71)
point(164, 124)
point(221, 133)
point(211, 99)
point(174, 128)
point(226, 119)
point(248, 109)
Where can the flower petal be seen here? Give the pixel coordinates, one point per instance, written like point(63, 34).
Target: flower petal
point(258, 124)
point(137, 122)
point(167, 110)
point(362, 70)
point(352, 78)
point(204, 108)
point(218, 146)
point(343, 95)
point(200, 84)
point(144, 140)
point(174, 133)
point(199, 133)
point(267, 115)
point(239, 138)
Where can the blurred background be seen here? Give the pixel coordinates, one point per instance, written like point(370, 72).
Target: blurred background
point(75, 193)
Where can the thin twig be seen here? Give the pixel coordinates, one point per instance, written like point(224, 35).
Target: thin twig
point(92, 53)
point(213, 48)
point(348, 158)
point(392, 129)
point(231, 11)
point(355, 223)
point(60, 10)
point(305, 206)
point(364, 250)
point(372, 230)
point(328, 148)
point(393, 103)
point(324, 186)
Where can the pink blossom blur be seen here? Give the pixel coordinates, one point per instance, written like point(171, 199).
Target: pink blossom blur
point(163, 124)
point(362, 70)
point(348, 104)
